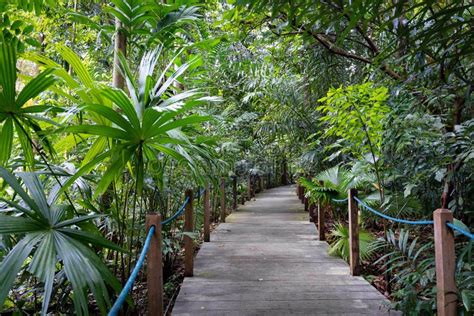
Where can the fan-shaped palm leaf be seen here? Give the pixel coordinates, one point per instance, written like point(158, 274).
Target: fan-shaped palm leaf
point(148, 123)
point(49, 237)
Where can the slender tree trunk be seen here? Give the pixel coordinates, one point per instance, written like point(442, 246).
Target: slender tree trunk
point(449, 181)
point(120, 47)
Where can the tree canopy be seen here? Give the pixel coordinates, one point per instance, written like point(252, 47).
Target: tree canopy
point(109, 110)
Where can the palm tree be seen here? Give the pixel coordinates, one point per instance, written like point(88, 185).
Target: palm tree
point(142, 127)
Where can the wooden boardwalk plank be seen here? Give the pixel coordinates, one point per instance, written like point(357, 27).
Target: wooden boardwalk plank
point(266, 260)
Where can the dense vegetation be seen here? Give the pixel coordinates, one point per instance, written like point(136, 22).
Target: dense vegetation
point(109, 110)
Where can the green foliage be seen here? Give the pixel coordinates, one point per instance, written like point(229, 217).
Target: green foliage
point(51, 236)
point(340, 243)
point(145, 125)
point(18, 33)
point(330, 184)
point(17, 116)
point(465, 277)
point(30, 5)
point(356, 114)
point(133, 151)
point(413, 267)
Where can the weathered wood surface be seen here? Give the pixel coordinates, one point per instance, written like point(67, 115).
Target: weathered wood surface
point(267, 260)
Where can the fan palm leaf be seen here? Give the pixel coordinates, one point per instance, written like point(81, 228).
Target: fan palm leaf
point(152, 121)
point(49, 236)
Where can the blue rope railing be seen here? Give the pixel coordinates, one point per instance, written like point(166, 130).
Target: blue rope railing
point(460, 230)
point(340, 201)
point(177, 214)
point(181, 209)
point(200, 193)
point(128, 286)
point(398, 220)
point(126, 289)
point(423, 222)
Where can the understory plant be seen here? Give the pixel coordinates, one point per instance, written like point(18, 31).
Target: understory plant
point(356, 114)
point(52, 246)
point(411, 262)
point(340, 242)
point(328, 185)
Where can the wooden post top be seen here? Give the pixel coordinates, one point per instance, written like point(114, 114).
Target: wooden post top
point(352, 193)
point(189, 193)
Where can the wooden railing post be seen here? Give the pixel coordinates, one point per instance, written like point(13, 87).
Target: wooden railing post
point(446, 292)
point(188, 241)
point(321, 219)
point(312, 214)
point(234, 193)
point(253, 186)
point(223, 200)
point(207, 213)
point(321, 230)
point(154, 268)
point(302, 194)
point(249, 188)
point(353, 211)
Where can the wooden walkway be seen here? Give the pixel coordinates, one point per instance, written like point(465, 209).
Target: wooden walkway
point(266, 260)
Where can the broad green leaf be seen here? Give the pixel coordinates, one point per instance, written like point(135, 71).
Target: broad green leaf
point(112, 116)
point(93, 239)
point(8, 76)
point(18, 225)
point(15, 185)
point(6, 140)
point(120, 99)
point(156, 130)
point(43, 265)
point(12, 263)
point(99, 130)
point(33, 88)
point(96, 149)
point(24, 136)
point(36, 191)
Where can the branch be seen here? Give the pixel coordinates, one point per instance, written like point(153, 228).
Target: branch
point(333, 48)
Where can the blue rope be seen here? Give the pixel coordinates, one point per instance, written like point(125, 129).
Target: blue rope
point(398, 220)
point(126, 289)
point(460, 230)
point(200, 193)
point(123, 295)
point(178, 213)
point(340, 201)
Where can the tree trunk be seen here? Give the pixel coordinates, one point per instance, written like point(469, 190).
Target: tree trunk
point(120, 47)
point(449, 179)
